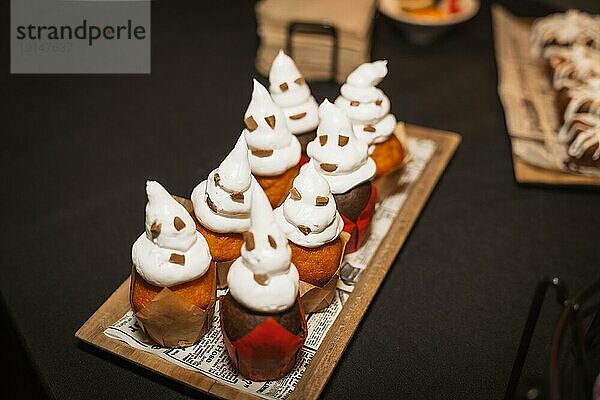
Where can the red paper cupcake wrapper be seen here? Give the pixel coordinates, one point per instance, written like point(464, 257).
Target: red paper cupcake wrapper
point(358, 229)
point(303, 159)
point(269, 352)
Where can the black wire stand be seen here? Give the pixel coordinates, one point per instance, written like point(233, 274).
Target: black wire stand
point(575, 349)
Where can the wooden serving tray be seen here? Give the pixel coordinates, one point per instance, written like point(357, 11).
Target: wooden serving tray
point(325, 359)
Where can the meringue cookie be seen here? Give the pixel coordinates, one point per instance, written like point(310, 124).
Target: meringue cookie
point(337, 154)
point(170, 251)
point(264, 279)
point(222, 202)
point(309, 216)
point(290, 92)
point(588, 93)
point(577, 63)
point(272, 147)
point(366, 105)
point(567, 28)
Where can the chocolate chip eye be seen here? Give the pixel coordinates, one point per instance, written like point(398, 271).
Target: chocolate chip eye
point(238, 197)
point(295, 194)
point(211, 205)
point(304, 229)
point(323, 140)
point(321, 201)
point(248, 240)
point(283, 86)
point(251, 123)
point(299, 81)
point(177, 259)
point(271, 121)
point(328, 167)
point(155, 229)
point(272, 241)
point(217, 178)
point(378, 102)
point(354, 103)
point(369, 128)
point(261, 279)
point(178, 223)
point(343, 140)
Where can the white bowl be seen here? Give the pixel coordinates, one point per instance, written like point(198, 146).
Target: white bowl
point(424, 31)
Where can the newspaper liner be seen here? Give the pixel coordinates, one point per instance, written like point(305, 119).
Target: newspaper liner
point(315, 298)
point(209, 355)
point(529, 100)
point(283, 346)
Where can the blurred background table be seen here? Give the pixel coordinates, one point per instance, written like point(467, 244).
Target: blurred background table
point(446, 322)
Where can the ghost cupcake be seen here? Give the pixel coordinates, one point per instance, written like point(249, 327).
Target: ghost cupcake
point(344, 162)
point(173, 280)
point(222, 207)
point(312, 224)
point(369, 110)
point(290, 91)
point(262, 319)
point(273, 151)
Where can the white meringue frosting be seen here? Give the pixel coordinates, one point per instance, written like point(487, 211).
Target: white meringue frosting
point(309, 216)
point(290, 92)
point(337, 154)
point(222, 202)
point(577, 63)
point(272, 147)
point(366, 105)
point(264, 279)
point(170, 251)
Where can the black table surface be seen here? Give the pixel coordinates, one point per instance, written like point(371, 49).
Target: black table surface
point(77, 149)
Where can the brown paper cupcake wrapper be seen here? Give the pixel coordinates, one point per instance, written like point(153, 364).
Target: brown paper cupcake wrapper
point(222, 271)
point(170, 321)
point(387, 183)
point(315, 298)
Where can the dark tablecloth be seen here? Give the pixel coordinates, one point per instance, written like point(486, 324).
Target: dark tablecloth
point(77, 149)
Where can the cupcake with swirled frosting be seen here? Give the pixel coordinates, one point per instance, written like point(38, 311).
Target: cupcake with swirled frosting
point(273, 151)
point(290, 91)
point(343, 160)
point(369, 110)
point(261, 316)
point(222, 204)
point(312, 224)
point(171, 254)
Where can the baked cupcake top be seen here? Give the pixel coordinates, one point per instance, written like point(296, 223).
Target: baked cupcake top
point(308, 216)
point(290, 91)
point(272, 147)
point(170, 251)
point(584, 98)
point(572, 65)
point(222, 202)
point(366, 105)
point(264, 279)
point(565, 29)
point(337, 154)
